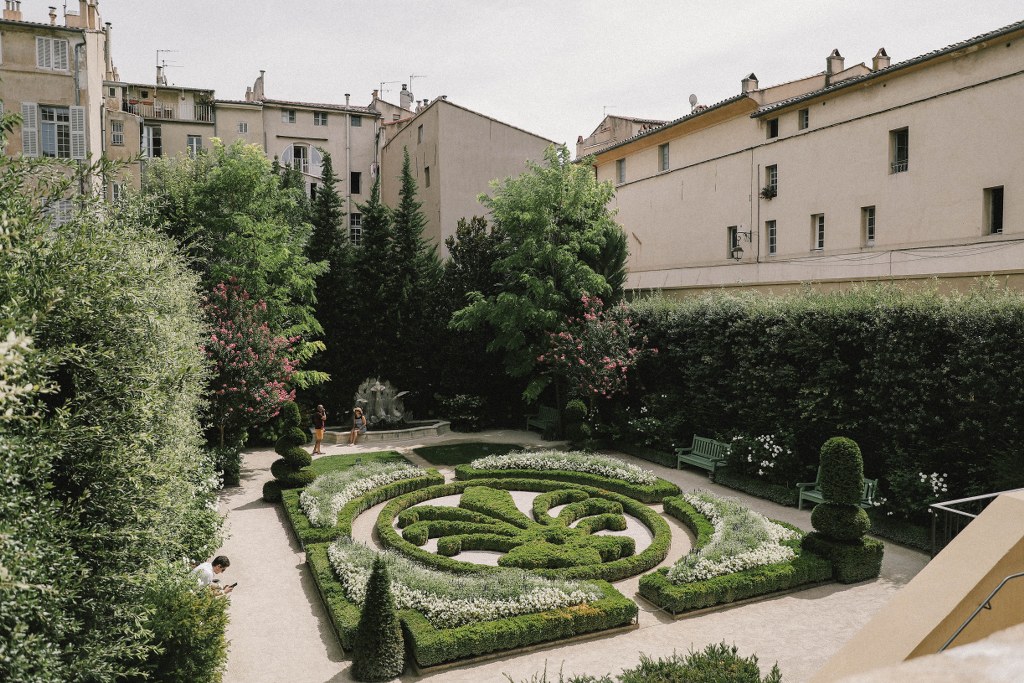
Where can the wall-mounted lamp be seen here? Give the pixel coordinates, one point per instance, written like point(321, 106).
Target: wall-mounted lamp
point(737, 250)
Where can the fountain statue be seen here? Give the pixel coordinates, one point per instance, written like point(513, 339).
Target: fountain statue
point(381, 404)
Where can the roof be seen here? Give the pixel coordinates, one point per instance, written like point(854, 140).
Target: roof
point(318, 105)
point(636, 119)
point(889, 70)
point(39, 24)
point(158, 86)
point(674, 122)
point(466, 109)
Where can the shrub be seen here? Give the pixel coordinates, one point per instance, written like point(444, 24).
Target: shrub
point(465, 411)
point(852, 561)
point(297, 458)
point(272, 491)
point(841, 522)
point(228, 461)
point(777, 493)
point(330, 492)
point(379, 652)
point(289, 447)
point(663, 458)
point(716, 663)
point(842, 471)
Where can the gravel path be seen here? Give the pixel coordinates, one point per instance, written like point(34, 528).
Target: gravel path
point(279, 630)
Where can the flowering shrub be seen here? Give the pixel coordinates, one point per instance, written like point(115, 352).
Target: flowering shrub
point(742, 539)
point(448, 600)
point(766, 456)
point(573, 461)
point(910, 492)
point(323, 499)
point(251, 365)
point(592, 353)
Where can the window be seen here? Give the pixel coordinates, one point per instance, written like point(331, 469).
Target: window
point(117, 133)
point(52, 53)
point(899, 150)
point(803, 119)
point(620, 171)
point(994, 210)
point(771, 181)
point(426, 176)
point(287, 116)
point(312, 191)
point(152, 142)
point(818, 232)
point(52, 131)
point(733, 249)
point(419, 134)
point(194, 144)
point(663, 157)
point(243, 126)
point(773, 237)
point(115, 191)
point(61, 211)
point(357, 121)
point(356, 182)
point(300, 158)
point(55, 132)
point(773, 128)
point(319, 118)
point(867, 225)
point(111, 91)
point(355, 228)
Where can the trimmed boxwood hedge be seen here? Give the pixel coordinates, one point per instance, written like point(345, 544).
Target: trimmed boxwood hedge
point(806, 567)
point(343, 613)
point(430, 646)
point(610, 571)
point(776, 493)
point(852, 561)
point(307, 533)
point(664, 458)
point(649, 494)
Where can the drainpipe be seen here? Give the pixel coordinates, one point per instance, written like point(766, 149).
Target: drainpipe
point(78, 102)
point(348, 164)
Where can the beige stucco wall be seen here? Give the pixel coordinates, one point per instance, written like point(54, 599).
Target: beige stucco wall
point(228, 115)
point(964, 137)
point(422, 155)
point(928, 610)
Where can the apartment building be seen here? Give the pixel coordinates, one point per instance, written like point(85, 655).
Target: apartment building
point(455, 153)
point(903, 171)
point(611, 130)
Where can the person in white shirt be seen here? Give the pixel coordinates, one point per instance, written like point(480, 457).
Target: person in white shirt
point(206, 572)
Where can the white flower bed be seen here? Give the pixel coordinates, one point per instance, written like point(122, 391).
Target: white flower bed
point(323, 499)
point(743, 539)
point(574, 461)
point(449, 600)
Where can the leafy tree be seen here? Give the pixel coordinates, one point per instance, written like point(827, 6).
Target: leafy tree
point(555, 226)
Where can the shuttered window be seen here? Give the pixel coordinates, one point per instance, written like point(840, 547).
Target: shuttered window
point(52, 53)
point(78, 146)
point(29, 129)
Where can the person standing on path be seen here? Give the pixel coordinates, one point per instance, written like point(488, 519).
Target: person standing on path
point(319, 425)
point(358, 426)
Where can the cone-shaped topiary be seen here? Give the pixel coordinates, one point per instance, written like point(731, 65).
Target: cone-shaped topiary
point(842, 471)
point(378, 653)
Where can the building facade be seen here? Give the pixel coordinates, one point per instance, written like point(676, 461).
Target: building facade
point(901, 171)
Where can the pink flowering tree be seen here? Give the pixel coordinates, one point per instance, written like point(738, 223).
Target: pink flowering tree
point(252, 367)
point(593, 354)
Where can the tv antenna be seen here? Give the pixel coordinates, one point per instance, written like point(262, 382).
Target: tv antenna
point(412, 76)
point(382, 84)
point(161, 66)
point(605, 108)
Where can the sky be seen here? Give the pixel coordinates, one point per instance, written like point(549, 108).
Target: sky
point(551, 67)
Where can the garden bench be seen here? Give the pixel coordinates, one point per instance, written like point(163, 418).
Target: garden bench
point(705, 453)
point(811, 491)
point(545, 418)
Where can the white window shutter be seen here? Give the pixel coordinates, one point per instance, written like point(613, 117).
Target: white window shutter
point(60, 55)
point(29, 129)
point(289, 156)
point(316, 162)
point(44, 58)
point(78, 146)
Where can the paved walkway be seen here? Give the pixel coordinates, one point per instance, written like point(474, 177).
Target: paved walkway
point(279, 631)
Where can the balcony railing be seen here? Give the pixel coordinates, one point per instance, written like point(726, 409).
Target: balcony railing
point(950, 517)
point(899, 166)
point(186, 111)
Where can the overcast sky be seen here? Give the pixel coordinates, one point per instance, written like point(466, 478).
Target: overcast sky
point(552, 67)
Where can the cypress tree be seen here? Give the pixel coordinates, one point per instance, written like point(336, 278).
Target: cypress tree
point(379, 649)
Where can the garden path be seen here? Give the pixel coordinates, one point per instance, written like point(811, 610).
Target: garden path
point(280, 632)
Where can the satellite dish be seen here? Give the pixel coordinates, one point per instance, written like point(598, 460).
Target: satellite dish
point(693, 100)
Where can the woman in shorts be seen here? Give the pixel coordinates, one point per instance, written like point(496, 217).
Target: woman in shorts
point(358, 426)
point(319, 424)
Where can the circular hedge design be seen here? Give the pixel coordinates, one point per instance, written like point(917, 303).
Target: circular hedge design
point(487, 519)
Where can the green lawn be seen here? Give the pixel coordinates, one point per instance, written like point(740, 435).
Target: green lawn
point(331, 463)
point(463, 453)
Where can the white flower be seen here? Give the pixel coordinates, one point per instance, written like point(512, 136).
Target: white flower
point(323, 499)
point(574, 461)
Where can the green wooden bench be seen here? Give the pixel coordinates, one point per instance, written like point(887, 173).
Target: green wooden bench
point(811, 491)
point(704, 453)
point(546, 417)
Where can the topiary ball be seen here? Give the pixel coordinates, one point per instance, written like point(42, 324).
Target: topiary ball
point(290, 415)
point(575, 411)
point(296, 480)
point(272, 492)
point(292, 437)
point(280, 468)
point(839, 521)
point(842, 471)
point(297, 457)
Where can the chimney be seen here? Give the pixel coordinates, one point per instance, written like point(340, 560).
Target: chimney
point(12, 10)
point(161, 78)
point(108, 60)
point(405, 97)
point(749, 84)
point(346, 99)
point(53, 16)
point(833, 65)
point(881, 60)
point(248, 94)
point(374, 95)
point(257, 88)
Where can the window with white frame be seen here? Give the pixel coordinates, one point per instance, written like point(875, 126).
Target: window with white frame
point(303, 158)
point(117, 133)
point(357, 121)
point(300, 158)
point(663, 157)
point(60, 211)
point(152, 142)
point(620, 171)
point(287, 116)
point(194, 143)
point(355, 228)
point(899, 150)
point(52, 131)
point(867, 225)
point(771, 229)
point(818, 232)
point(319, 118)
point(732, 241)
point(243, 126)
point(771, 181)
point(116, 189)
point(803, 119)
point(52, 53)
point(55, 132)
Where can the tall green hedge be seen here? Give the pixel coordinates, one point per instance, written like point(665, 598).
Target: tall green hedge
point(925, 383)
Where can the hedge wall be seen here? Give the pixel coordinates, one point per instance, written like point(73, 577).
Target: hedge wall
point(652, 493)
point(924, 383)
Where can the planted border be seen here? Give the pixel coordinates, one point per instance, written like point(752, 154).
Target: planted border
point(805, 568)
point(652, 493)
point(609, 571)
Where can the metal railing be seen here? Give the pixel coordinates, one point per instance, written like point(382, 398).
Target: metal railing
point(159, 110)
point(948, 521)
point(986, 604)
